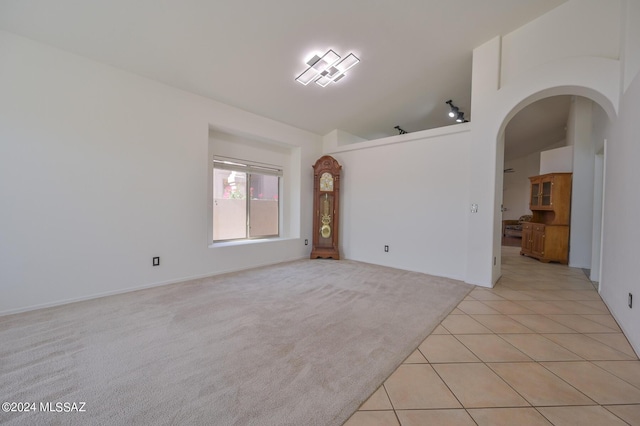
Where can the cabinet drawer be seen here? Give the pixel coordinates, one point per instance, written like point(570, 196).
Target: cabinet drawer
point(533, 226)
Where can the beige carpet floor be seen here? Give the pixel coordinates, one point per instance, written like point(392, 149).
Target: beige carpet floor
point(299, 343)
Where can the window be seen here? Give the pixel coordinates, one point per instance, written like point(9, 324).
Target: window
point(245, 200)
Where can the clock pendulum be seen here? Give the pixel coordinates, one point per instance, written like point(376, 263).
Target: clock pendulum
point(325, 230)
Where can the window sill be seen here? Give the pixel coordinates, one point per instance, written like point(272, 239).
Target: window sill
point(248, 242)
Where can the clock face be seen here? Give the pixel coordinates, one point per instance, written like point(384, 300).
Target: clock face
point(326, 182)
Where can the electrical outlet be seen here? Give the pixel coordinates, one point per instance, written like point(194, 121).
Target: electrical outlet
point(474, 208)
point(156, 261)
point(630, 300)
point(306, 242)
point(386, 249)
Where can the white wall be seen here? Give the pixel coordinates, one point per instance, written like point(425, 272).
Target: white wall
point(409, 192)
point(486, 170)
point(100, 170)
point(558, 160)
point(619, 274)
point(579, 136)
point(630, 53)
point(601, 132)
point(515, 196)
point(598, 200)
point(339, 137)
point(575, 28)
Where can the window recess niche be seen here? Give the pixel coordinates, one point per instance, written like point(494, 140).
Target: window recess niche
point(254, 191)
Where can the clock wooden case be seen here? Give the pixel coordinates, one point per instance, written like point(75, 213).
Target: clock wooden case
point(326, 208)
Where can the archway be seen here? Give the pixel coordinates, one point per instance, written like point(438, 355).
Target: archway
point(580, 150)
point(590, 77)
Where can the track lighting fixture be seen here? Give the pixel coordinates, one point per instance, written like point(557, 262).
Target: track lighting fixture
point(460, 117)
point(454, 112)
point(400, 131)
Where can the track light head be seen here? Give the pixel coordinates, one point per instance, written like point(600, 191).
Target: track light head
point(400, 130)
point(453, 110)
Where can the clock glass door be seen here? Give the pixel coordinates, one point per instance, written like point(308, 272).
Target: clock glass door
point(326, 220)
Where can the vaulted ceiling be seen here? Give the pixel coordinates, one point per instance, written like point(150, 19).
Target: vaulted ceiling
point(415, 54)
point(537, 126)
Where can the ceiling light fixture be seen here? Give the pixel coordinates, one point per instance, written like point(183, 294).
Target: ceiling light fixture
point(327, 68)
point(454, 112)
point(400, 130)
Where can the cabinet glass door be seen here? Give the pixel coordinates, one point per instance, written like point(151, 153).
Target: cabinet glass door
point(535, 192)
point(546, 194)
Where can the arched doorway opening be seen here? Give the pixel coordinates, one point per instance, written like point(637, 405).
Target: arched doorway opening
point(557, 133)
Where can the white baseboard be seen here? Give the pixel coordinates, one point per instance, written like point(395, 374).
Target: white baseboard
point(136, 288)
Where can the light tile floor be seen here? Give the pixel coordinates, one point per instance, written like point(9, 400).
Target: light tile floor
point(539, 348)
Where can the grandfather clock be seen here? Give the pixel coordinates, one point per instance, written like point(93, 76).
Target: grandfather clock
point(326, 208)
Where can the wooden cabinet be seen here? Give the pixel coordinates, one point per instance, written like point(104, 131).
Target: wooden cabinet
point(550, 199)
point(547, 243)
point(546, 237)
